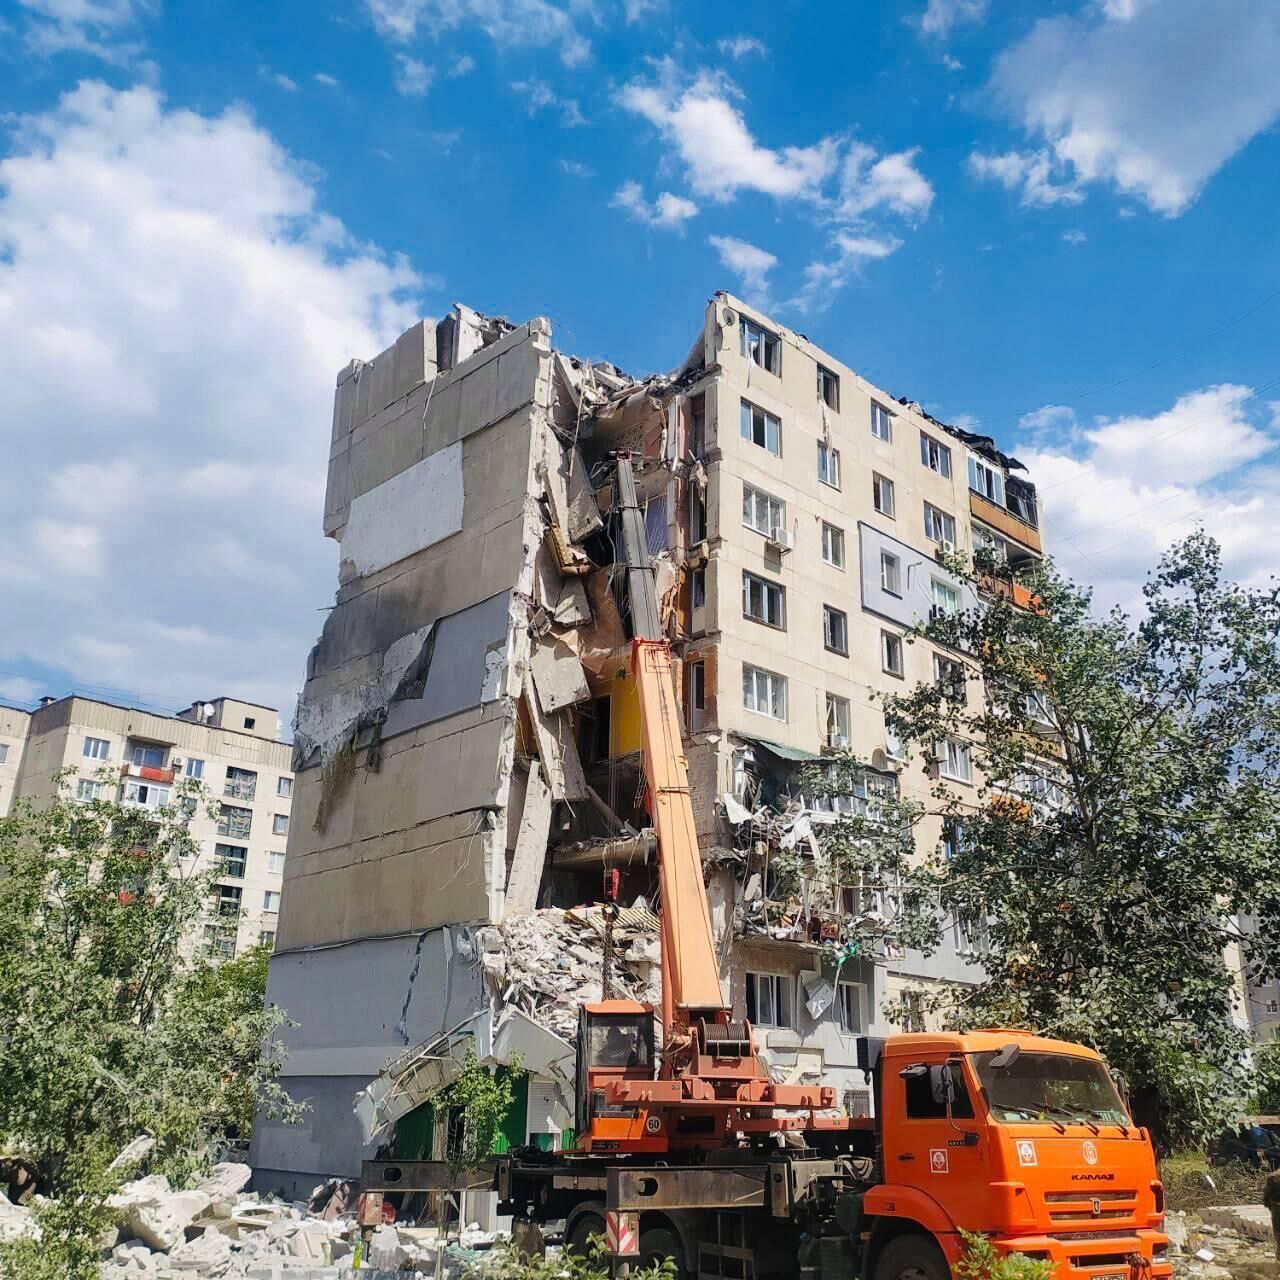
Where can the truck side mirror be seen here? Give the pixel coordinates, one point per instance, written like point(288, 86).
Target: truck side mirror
point(942, 1085)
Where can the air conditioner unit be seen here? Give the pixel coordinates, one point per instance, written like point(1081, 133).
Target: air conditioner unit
point(948, 547)
point(730, 317)
point(176, 762)
point(782, 539)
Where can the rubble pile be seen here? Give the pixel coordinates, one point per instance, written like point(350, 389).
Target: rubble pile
point(1231, 1242)
point(218, 1230)
point(547, 963)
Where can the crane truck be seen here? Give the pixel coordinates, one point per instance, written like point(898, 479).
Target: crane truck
point(687, 1149)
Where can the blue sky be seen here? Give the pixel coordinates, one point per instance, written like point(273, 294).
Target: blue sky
point(205, 209)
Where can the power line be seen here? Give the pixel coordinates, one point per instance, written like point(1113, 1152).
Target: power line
point(1120, 382)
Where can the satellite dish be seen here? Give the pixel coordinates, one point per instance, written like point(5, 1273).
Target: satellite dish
point(730, 316)
point(207, 709)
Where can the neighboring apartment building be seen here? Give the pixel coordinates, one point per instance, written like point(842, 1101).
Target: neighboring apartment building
point(467, 743)
point(14, 724)
point(140, 757)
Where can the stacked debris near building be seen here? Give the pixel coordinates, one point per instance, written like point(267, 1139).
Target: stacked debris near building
point(467, 743)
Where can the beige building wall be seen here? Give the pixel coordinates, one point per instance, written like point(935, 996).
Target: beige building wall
point(14, 725)
point(233, 750)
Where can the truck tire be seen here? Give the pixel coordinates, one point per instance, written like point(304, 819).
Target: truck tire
point(911, 1257)
point(657, 1243)
point(578, 1238)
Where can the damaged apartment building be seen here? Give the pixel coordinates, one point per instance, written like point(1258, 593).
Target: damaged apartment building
point(467, 747)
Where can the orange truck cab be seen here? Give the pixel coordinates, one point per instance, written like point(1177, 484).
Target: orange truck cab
point(1025, 1139)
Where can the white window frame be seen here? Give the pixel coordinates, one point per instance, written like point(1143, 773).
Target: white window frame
point(194, 768)
point(757, 501)
point(955, 760)
point(271, 900)
point(96, 749)
point(881, 422)
point(774, 999)
point(986, 539)
point(828, 379)
point(141, 750)
point(891, 645)
point(847, 994)
point(772, 597)
point(146, 795)
point(891, 573)
point(761, 686)
point(986, 481)
point(284, 788)
point(838, 721)
point(771, 426)
point(279, 824)
point(835, 620)
point(939, 527)
point(761, 346)
point(828, 465)
point(882, 496)
point(275, 861)
point(944, 599)
point(833, 545)
point(935, 456)
point(267, 938)
point(88, 789)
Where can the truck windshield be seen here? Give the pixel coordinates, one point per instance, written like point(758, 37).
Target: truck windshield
point(1049, 1087)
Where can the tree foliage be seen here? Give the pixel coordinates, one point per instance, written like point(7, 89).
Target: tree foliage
point(1121, 837)
point(116, 1020)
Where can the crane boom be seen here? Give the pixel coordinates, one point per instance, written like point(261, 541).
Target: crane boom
point(690, 974)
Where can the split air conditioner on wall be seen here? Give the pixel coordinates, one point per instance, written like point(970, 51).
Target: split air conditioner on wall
point(782, 540)
point(948, 546)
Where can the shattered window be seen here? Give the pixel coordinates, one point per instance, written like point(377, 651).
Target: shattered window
point(881, 422)
point(763, 601)
point(828, 388)
point(698, 588)
point(828, 465)
point(835, 629)
point(833, 545)
point(953, 838)
point(698, 686)
point(986, 480)
point(769, 1000)
point(882, 494)
point(938, 526)
point(235, 822)
point(697, 515)
point(891, 653)
point(849, 1007)
point(949, 676)
point(761, 428)
point(148, 757)
point(764, 692)
point(955, 760)
point(760, 346)
point(220, 941)
point(946, 599)
point(228, 899)
point(241, 784)
point(762, 511)
point(233, 858)
point(266, 937)
point(987, 541)
point(935, 456)
point(837, 721)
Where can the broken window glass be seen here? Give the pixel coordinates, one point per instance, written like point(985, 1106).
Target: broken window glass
point(761, 428)
point(760, 346)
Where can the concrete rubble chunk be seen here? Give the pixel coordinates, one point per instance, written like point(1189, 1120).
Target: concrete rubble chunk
point(156, 1214)
point(1250, 1220)
point(224, 1185)
point(206, 1255)
point(16, 1221)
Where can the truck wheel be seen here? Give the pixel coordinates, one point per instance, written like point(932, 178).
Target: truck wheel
point(911, 1258)
point(584, 1227)
point(658, 1243)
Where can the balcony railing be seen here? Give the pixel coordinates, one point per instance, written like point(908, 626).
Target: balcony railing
point(1005, 521)
point(147, 772)
point(1022, 596)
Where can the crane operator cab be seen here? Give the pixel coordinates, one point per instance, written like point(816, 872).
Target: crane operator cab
point(616, 1041)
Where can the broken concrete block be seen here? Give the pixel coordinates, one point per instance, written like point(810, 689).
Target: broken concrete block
point(531, 845)
point(16, 1221)
point(223, 1187)
point(208, 1255)
point(558, 675)
point(309, 1241)
point(1250, 1220)
point(154, 1213)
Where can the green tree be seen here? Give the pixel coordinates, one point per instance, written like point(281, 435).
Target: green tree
point(116, 1019)
point(1124, 815)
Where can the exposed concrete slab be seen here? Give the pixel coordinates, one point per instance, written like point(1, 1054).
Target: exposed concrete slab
point(1250, 1220)
point(557, 674)
point(531, 845)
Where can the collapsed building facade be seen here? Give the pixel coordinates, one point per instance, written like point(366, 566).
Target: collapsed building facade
point(467, 745)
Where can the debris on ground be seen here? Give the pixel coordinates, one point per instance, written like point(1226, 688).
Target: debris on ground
point(1228, 1242)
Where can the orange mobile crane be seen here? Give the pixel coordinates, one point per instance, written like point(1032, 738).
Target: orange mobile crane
point(690, 1151)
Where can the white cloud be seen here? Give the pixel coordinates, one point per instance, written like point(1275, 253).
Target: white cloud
point(824, 279)
point(287, 83)
point(720, 155)
point(538, 95)
point(173, 309)
point(1118, 491)
point(508, 23)
point(20, 689)
point(94, 27)
point(463, 66)
point(892, 182)
point(576, 169)
point(413, 78)
point(1032, 171)
point(323, 77)
point(638, 10)
point(941, 15)
point(750, 264)
point(738, 47)
point(1098, 89)
point(1074, 236)
point(670, 212)
point(952, 63)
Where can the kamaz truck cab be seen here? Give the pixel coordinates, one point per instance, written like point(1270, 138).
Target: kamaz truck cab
point(1024, 1139)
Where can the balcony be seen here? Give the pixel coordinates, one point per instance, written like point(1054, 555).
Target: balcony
point(1004, 521)
point(1022, 596)
point(147, 773)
